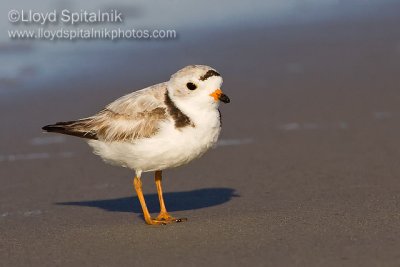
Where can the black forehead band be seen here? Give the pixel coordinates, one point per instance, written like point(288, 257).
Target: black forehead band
point(209, 74)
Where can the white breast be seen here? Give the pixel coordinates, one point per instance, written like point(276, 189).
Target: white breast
point(171, 147)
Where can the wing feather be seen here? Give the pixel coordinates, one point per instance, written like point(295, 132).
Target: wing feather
point(133, 116)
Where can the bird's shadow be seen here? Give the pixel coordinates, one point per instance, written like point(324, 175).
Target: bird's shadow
point(175, 201)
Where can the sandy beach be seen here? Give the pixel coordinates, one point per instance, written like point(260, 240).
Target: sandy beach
point(306, 172)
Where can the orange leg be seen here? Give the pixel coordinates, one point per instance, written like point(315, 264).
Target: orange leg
point(164, 215)
point(138, 187)
point(160, 219)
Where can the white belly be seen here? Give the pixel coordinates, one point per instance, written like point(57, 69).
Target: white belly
point(170, 148)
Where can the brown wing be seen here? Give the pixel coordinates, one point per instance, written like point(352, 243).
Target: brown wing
point(133, 116)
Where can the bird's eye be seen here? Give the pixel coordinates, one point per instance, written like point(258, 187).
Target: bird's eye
point(191, 86)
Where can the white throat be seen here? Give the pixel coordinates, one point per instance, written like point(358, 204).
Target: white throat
point(198, 112)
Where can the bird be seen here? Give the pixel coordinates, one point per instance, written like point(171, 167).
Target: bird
point(157, 128)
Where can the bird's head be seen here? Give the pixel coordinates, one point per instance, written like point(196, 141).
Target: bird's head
point(197, 85)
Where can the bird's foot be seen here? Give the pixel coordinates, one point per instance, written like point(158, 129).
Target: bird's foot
point(165, 218)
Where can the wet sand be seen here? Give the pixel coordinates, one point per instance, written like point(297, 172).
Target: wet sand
point(306, 174)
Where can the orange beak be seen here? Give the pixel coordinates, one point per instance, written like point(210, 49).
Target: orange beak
point(218, 95)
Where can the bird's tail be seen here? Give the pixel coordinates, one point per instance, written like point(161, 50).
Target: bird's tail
point(77, 128)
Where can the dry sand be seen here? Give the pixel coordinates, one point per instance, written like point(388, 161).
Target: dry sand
point(307, 173)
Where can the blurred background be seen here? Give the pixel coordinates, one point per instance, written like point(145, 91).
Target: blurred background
point(306, 170)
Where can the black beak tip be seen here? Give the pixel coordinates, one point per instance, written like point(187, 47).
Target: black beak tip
point(224, 98)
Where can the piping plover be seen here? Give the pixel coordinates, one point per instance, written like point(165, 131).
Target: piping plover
point(162, 126)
